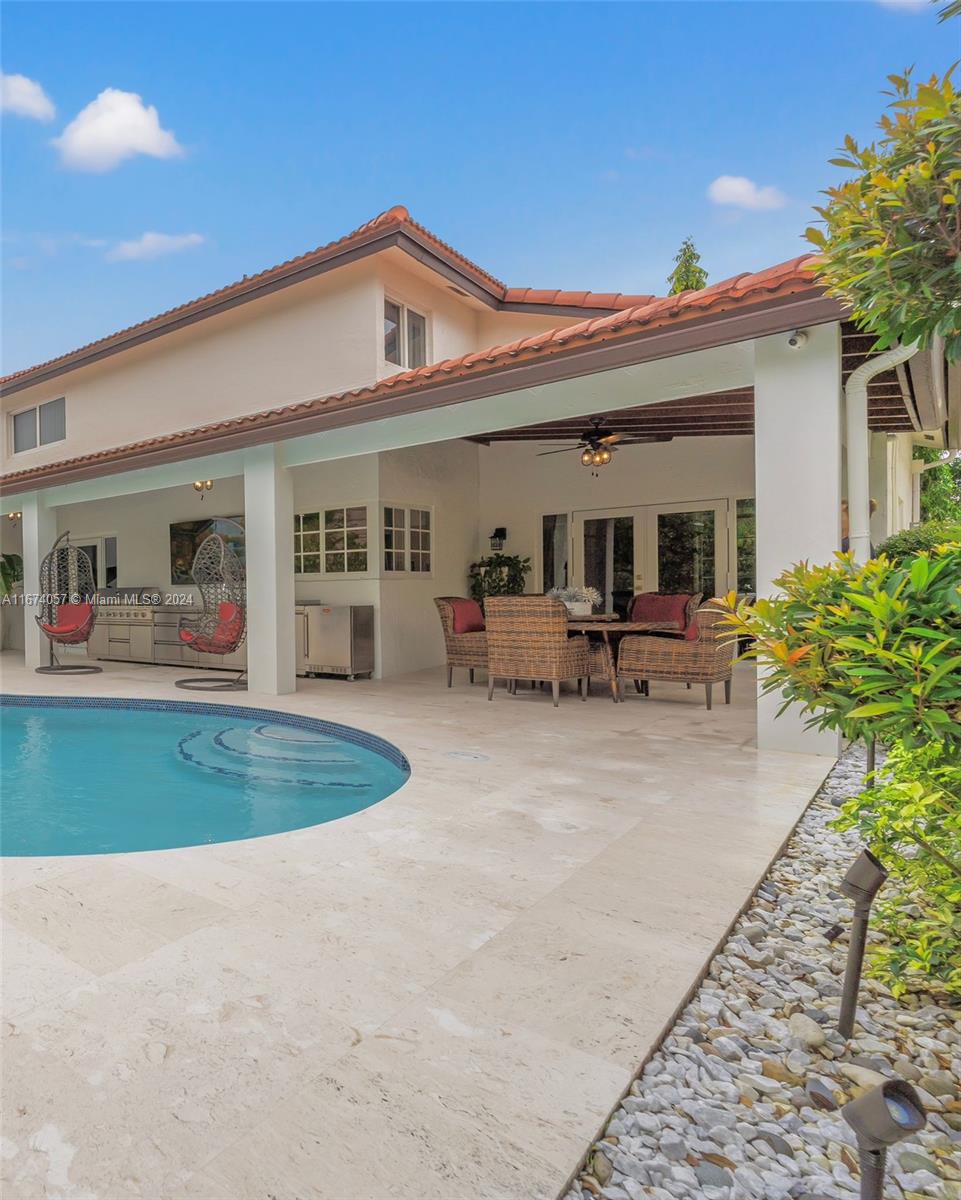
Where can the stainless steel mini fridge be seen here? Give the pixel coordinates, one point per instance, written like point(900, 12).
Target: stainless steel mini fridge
point(338, 640)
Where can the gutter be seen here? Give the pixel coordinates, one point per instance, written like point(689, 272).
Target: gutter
point(856, 417)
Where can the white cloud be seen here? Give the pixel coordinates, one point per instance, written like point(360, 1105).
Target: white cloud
point(740, 192)
point(115, 126)
point(25, 97)
point(153, 245)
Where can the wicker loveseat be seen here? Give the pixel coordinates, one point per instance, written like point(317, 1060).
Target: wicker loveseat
point(707, 658)
point(527, 638)
point(463, 649)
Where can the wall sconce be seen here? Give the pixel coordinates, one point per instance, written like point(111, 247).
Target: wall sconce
point(498, 538)
point(203, 485)
point(14, 517)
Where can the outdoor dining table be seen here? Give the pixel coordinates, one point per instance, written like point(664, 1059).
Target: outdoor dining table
point(608, 625)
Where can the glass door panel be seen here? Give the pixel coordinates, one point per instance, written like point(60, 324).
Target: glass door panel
point(688, 548)
point(608, 554)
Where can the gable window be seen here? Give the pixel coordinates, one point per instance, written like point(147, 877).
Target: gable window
point(407, 539)
point(40, 426)
point(405, 335)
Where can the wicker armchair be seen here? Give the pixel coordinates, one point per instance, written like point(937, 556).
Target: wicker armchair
point(707, 659)
point(527, 638)
point(463, 649)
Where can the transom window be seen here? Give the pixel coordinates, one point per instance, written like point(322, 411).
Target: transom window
point(407, 539)
point(331, 542)
point(405, 335)
point(40, 426)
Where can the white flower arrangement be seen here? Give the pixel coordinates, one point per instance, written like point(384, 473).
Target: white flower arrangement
point(577, 595)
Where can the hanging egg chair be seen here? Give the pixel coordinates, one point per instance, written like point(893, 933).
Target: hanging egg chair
point(67, 609)
point(222, 622)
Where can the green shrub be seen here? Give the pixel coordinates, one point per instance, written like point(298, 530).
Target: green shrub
point(911, 820)
point(498, 575)
point(926, 536)
point(871, 650)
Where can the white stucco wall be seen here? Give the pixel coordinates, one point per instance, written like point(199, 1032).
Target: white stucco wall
point(517, 487)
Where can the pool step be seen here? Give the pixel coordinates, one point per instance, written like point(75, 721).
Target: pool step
point(244, 755)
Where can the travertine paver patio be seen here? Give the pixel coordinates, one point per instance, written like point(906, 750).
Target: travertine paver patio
point(440, 997)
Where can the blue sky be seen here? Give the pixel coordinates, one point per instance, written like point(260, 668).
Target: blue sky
point(558, 145)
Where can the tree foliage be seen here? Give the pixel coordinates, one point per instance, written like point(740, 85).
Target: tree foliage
point(891, 245)
point(940, 486)
point(911, 819)
point(688, 275)
point(871, 650)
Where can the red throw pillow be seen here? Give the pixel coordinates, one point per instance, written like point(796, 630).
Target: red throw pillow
point(657, 606)
point(468, 617)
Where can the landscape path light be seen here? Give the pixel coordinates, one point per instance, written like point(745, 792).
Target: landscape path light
point(881, 1117)
point(861, 884)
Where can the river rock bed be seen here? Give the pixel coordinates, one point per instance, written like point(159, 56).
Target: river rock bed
point(741, 1100)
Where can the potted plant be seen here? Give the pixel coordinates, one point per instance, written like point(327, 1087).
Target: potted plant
point(498, 575)
point(580, 601)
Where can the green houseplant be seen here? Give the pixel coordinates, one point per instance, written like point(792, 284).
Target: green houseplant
point(11, 572)
point(498, 575)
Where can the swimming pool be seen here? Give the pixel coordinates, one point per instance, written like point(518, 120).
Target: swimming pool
point(104, 776)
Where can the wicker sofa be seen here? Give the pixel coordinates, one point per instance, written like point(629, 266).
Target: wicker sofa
point(463, 649)
point(527, 638)
point(707, 658)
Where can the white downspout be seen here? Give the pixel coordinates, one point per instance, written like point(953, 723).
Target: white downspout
point(856, 418)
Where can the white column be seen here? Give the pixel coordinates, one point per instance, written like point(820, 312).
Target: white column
point(269, 524)
point(797, 447)
point(39, 525)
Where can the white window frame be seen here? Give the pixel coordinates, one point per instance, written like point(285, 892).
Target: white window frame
point(408, 551)
point(35, 408)
point(320, 511)
point(405, 365)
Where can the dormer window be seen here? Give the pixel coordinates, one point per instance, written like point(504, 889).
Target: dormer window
point(405, 335)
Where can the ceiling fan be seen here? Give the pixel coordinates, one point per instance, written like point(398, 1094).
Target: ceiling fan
point(597, 444)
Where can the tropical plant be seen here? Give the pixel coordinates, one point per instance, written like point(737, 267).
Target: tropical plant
point(891, 242)
point(11, 572)
point(498, 575)
point(926, 536)
point(911, 819)
point(872, 650)
point(688, 275)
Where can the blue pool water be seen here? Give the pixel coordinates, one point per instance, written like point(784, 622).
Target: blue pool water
point(103, 776)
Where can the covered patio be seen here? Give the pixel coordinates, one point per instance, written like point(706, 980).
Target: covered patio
point(442, 995)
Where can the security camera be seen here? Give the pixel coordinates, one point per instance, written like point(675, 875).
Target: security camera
point(797, 339)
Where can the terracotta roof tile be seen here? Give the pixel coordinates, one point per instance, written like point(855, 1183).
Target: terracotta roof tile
point(394, 219)
point(783, 280)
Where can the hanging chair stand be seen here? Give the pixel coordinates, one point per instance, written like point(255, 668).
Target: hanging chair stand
point(222, 623)
point(67, 571)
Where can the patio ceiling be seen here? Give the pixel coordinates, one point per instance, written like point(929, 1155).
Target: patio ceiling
point(726, 413)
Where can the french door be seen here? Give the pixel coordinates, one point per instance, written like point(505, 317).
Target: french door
point(653, 547)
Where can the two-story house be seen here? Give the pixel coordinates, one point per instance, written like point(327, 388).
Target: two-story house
point(375, 408)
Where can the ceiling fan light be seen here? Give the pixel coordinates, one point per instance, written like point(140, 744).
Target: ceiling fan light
point(605, 455)
point(587, 457)
point(597, 458)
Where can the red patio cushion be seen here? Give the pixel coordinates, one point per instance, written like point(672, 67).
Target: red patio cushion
point(658, 606)
point(468, 617)
point(70, 619)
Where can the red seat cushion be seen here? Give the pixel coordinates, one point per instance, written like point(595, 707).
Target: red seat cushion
point(658, 606)
point(468, 617)
point(71, 618)
point(230, 618)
